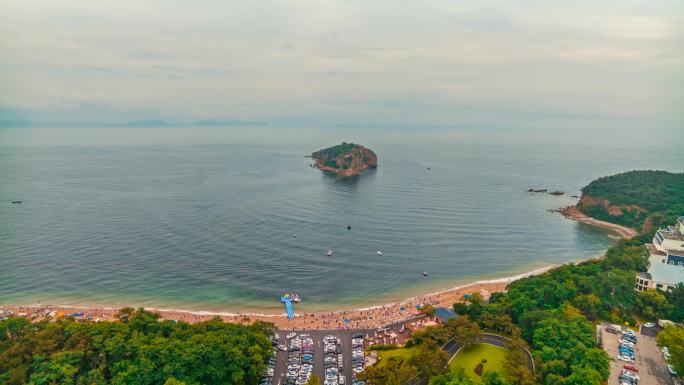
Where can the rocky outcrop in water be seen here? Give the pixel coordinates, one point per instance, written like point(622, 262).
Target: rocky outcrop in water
point(346, 159)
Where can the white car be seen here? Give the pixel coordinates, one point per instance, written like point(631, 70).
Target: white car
point(291, 335)
point(622, 357)
point(671, 369)
point(649, 325)
point(629, 374)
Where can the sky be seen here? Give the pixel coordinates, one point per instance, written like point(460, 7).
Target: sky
point(359, 63)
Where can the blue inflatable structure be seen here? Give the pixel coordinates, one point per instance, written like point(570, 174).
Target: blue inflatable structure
point(288, 300)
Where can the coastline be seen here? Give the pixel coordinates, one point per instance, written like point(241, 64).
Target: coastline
point(572, 212)
point(364, 317)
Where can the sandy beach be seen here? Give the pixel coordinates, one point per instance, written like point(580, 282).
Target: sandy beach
point(367, 317)
point(572, 212)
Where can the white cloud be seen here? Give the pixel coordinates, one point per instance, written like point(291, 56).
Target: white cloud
point(431, 62)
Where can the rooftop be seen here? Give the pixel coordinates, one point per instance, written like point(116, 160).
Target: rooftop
point(653, 251)
point(644, 275)
point(445, 314)
point(670, 274)
point(671, 233)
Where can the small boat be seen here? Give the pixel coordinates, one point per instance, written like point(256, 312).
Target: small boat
point(330, 252)
point(380, 253)
point(348, 227)
point(16, 202)
point(294, 236)
point(425, 274)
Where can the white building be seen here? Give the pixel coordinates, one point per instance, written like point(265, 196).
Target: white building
point(666, 259)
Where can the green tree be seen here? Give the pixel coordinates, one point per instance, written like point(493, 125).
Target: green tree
point(13, 327)
point(589, 304)
point(455, 377)
point(516, 364)
point(494, 378)
point(173, 381)
point(676, 301)
point(141, 349)
point(494, 319)
point(394, 371)
point(673, 338)
point(652, 304)
point(428, 310)
point(464, 331)
point(431, 360)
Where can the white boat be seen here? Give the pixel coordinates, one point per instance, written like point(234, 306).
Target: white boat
point(380, 253)
point(330, 252)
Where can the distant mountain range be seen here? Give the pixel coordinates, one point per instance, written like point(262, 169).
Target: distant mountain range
point(229, 122)
point(15, 123)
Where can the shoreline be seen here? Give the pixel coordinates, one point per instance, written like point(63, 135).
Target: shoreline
point(573, 213)
point(373, 316)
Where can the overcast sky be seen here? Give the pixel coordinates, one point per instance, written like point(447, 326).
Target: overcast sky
point(557, 64)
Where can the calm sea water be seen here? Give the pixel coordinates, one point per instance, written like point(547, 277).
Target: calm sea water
point(199, 218)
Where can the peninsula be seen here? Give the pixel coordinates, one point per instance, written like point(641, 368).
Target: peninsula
point(345, 159)
point(631, 202)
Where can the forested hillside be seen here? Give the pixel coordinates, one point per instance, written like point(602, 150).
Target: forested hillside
point(554, 312)
point(138, 350)
point(635, 197)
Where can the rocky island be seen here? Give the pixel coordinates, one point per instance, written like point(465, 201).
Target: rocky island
point(345, 159)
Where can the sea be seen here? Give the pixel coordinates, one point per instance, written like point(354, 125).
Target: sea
point(229, 218)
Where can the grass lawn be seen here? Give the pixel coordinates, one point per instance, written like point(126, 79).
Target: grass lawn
point(469, 358)
point(402, 353)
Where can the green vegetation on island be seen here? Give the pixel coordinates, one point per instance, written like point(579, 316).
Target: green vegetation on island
point(635, 198)
point(140, 349)
point(345, 159)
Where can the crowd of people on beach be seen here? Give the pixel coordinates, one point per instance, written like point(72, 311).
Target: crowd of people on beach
point(365, 318)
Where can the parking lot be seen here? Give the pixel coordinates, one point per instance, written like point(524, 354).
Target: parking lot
point(648, 358)
point(319, 354)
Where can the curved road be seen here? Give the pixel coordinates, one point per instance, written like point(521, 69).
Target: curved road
point(452, 348)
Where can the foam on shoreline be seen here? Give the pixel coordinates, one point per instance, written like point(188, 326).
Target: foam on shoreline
point(507, 279)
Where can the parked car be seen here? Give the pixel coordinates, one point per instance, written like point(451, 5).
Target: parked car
point(629, 374)
point(625, 358)
point(671, 369)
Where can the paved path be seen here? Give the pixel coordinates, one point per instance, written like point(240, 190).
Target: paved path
point(452, 348)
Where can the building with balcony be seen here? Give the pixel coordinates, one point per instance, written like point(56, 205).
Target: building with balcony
point(666, 259)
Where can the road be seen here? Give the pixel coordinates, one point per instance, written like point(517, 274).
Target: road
point(452, 348)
